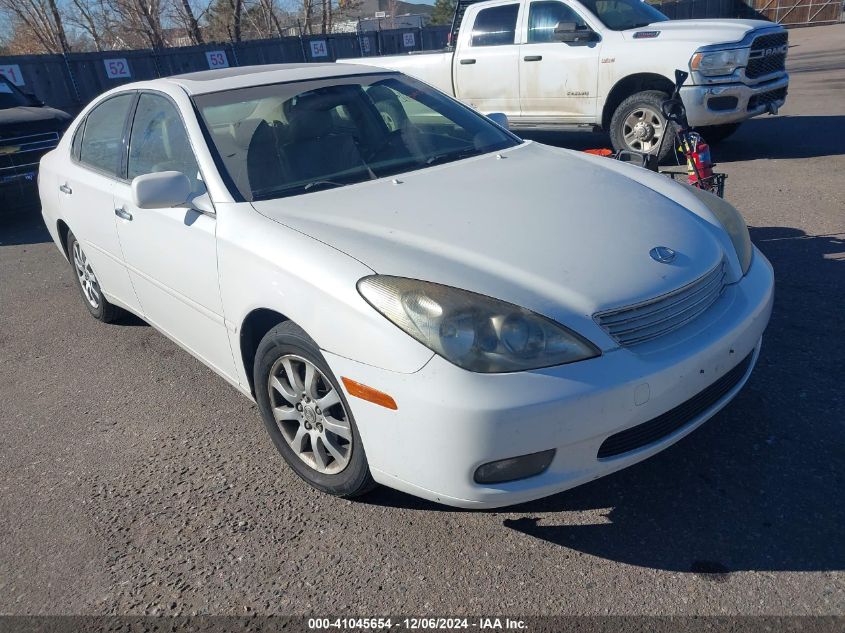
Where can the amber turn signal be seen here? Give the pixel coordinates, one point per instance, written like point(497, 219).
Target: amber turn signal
point(369, 394)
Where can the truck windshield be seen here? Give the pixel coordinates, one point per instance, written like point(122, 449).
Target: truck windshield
point(287, 139)
point(621, 15)
point(10, 96)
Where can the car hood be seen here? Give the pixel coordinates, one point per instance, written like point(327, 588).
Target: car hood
point(701, 32)
point(541, 227)
point(23, 120)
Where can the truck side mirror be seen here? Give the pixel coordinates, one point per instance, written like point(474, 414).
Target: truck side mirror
point(569, 33)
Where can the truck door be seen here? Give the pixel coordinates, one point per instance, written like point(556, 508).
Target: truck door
point(486, 67)
point(557, 79)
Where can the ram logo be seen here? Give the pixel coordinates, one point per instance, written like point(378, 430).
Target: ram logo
point(769, 52)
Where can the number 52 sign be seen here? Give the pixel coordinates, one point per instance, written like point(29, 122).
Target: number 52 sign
point(117, 69)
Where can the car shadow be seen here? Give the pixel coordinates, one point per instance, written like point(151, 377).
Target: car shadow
point(762, 137)
point(758, 487)
point(23, 225)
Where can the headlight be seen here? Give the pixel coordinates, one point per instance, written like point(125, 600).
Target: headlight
point(733, 223)
point(473, 331)
point(719, 62)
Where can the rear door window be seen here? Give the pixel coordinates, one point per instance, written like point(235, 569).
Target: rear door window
point(495, 26)
point(102, 140)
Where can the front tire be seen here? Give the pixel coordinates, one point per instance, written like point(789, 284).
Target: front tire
point(638, 125)
point(89, 286)
point(306, 413)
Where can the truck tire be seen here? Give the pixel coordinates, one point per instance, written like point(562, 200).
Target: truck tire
point(713, 134)
point(638, 125)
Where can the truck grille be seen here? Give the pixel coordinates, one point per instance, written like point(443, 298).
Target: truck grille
point(768, 55)
point(19, 155)
point(653, 318)
point(657, 428)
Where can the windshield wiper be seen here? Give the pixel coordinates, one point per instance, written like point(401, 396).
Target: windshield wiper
point(321, 184)
point(448, 157)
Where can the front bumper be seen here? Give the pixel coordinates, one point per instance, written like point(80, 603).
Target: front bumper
point(450, 421)
point(719, 104)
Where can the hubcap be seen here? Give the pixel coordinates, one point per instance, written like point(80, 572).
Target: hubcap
point(643, 129)
point(310, 414)
point(87, 279)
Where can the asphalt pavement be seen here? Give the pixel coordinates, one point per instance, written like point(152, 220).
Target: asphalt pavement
point(133, 480)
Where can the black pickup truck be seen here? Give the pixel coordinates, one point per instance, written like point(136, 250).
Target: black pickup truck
point(28, 130)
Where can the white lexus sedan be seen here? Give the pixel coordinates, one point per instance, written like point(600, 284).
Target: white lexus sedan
point(412, 295)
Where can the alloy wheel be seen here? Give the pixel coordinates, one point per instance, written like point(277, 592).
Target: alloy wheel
point(643, 128)
point(310, 414)
point(87, 279)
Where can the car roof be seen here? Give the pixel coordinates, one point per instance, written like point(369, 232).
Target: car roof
point(207, 81)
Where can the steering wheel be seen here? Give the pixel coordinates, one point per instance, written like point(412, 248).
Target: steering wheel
point(388, 140)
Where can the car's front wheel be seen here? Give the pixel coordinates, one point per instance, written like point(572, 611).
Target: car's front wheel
point(88, 284)
point(306, 413)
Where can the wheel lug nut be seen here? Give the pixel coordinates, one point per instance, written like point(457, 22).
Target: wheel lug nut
point(318, 411)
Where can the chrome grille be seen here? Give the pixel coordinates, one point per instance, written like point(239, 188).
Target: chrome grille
point(766, 56)
point(650, 319)
point(23, 152)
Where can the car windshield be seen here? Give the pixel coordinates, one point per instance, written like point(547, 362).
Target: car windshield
point(10, 96)
point(621, 15)
point(295, 138)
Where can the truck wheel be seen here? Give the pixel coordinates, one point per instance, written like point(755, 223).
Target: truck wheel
point(638, 125)
point(713, 134)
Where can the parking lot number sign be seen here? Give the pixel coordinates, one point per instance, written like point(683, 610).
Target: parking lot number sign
point(318, 48)
point(217, 59)
point(117, 69)
point(409, 40)
point(12, 72)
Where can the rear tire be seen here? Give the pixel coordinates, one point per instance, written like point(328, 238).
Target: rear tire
point(713, 134)
point(638, 125)
point(88, 285)
point(306, 413)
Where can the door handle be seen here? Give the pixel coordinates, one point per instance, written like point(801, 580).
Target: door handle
point(65, 189)
point(123, 214)
point(467, 61)
point(533, 58)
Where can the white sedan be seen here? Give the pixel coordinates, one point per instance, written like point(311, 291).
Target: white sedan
point(412, 295)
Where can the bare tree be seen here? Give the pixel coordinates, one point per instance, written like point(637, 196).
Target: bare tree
point(139, 19)
point(182, 13)
point(237, 15)
point(42, 19)
point(95, 19)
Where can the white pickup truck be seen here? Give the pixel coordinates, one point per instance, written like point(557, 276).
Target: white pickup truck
point(606, 64)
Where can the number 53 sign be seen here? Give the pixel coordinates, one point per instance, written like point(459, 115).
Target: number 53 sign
point(217, 59)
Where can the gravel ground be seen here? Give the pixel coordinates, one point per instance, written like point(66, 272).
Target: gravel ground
point(133, 480)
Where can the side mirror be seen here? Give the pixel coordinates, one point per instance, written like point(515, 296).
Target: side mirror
point(500, 119)
point(674, 110)
point(569, 33)
point(161, 190)
point(33, 99)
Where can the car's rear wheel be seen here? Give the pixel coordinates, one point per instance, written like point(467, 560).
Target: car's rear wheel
point(307, 415)
point(88, 284)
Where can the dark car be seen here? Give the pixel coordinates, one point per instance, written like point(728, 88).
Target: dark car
point(28, 130)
